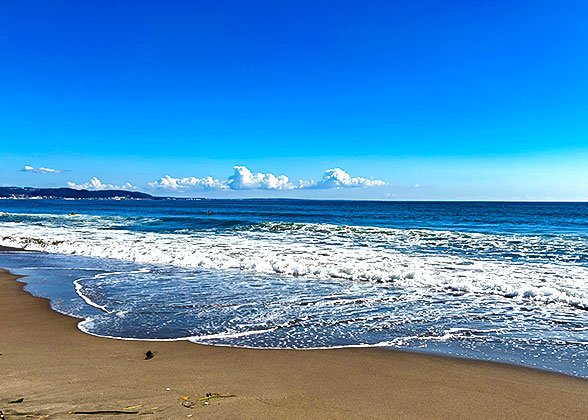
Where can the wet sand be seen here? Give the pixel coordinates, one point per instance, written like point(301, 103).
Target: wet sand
point(58, 370)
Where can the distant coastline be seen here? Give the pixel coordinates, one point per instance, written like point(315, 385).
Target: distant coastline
point(72, 194)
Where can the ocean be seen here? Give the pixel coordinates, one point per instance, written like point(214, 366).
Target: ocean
point(494, 281)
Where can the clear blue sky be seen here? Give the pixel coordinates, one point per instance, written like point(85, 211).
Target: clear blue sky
point(466, 99)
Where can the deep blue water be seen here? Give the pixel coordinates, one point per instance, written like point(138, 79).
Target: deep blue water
point(495, 281)
point(484, 217)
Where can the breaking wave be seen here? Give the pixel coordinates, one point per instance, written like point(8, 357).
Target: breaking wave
point(543, 269)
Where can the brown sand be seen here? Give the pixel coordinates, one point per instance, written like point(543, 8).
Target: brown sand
point(57, 369)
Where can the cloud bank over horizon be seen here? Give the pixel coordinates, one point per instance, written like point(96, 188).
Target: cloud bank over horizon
point(96, 184)
point(41, 170)
point(244, 179)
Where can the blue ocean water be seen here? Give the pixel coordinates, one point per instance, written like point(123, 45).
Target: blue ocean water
point(493, 281)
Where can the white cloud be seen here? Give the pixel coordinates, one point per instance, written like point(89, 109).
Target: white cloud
point(338, 178)
point(96, 184)
point(182, 184)
point(41, 170)
point(416, 185)
point(244, 179)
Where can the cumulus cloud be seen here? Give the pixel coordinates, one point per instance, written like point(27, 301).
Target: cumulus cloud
point(338, 178)
point(41, 170)
point(96, 184)
point(182, 184)
point(244, 179)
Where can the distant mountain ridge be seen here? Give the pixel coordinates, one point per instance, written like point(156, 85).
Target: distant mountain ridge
point(28, 192)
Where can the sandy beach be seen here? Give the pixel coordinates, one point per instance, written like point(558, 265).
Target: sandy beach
point(60, 372)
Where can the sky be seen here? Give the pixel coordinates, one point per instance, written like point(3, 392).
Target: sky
point(403, 100)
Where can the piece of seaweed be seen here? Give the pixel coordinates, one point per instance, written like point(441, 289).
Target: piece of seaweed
point(104, 412)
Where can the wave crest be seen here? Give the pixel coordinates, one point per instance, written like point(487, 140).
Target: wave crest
point(532, 268)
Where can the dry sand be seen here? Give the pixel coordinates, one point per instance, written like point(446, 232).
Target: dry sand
point(57, 369)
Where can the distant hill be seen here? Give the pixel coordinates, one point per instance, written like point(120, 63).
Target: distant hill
point(27, 192)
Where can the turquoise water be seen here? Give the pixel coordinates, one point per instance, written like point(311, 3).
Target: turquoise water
point(493, 281)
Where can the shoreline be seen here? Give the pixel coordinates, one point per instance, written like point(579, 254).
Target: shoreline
point(57, 369)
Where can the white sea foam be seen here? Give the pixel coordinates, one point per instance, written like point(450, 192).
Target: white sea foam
point(78, 289)
point(228, 335)
point(523, 268)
